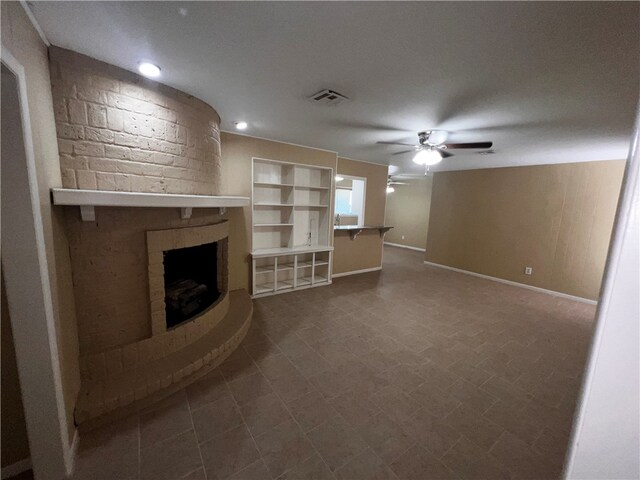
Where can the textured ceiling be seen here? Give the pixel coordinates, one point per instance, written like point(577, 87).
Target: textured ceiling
point(548, 82)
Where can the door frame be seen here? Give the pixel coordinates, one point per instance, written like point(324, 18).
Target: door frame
point(26, 274)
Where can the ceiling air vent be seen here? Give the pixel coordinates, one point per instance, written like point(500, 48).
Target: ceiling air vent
point(328, 97)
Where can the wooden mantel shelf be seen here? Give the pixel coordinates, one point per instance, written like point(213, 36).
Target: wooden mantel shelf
point(354, 230)
point(87, 200)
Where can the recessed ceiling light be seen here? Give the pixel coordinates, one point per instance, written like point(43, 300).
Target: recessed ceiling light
point(149, 69)
point(339, 178)
point(241, 125)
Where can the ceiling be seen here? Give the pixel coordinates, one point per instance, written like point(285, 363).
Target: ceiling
point(547, 82)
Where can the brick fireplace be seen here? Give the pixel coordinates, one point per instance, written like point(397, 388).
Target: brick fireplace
point(153, 306)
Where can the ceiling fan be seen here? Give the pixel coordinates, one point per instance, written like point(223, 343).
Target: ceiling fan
point(431, 148)
point(391, 182)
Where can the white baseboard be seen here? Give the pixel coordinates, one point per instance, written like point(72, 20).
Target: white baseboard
point(16, 468)
point(405, 246)
point(71, 453)
point(515, 284)
point(355, 272)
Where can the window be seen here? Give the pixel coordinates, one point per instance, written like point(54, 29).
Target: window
point(350, 197)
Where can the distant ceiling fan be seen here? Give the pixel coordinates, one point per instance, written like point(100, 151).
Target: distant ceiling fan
point(431, 148)
point(391, 183)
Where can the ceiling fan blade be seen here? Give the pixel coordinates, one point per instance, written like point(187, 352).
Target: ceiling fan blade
point(469, 145)
point(445, 154)
point(404, 151)
point(396, 143)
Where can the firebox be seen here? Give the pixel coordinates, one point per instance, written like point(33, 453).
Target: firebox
point(190, 282)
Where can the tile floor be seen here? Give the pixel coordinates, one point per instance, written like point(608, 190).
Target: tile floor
point(412, 373)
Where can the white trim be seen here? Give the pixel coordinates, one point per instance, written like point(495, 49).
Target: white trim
point(34, 22)
point(364, 194)
point(16, 468)
point(279, 141)
point(515, 284)
point(26, 266)
point(355, 272)
point(405, 246)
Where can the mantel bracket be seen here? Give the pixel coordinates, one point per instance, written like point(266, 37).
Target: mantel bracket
point(88, 213)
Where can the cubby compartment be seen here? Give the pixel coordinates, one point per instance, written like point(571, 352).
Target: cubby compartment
point(311, 197)
point(269, 215)
point(270, 237)
point(311, 226)
point(271, 195)
point(267, 172)
point(312, 177)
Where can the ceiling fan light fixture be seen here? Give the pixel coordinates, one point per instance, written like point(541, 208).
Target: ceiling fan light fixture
point(427, 157)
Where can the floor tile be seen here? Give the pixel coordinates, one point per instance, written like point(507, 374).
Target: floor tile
point(310, 410)
point(171, 458)
point(249, 387)
point(284, 447)
point(313, 468)
point(208, 389)
point(263, 413)
point(336, 441)
point(216, 418)
point(418, 464)
point(109, 452)
point(228, 453)
point(256, 471)
point(365, 466)
point(165, 419)
point(387, 438)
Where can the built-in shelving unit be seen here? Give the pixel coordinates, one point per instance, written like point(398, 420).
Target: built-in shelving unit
point(291, 219)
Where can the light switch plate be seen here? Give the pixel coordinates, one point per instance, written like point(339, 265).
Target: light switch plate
point(528, 270)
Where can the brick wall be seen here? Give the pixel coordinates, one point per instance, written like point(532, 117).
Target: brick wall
point(120, 131)
point(110, 273)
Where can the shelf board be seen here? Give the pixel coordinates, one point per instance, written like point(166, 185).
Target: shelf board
point(316, 280)
point(284, 284)
point(305, 264)
point(270, 252)
point(273, 224)
point(286, 266)
point(266, 269)
point(269, 184)
point(311, 206)
point(311, 187)
point(321, 263)
point(273, 205)
point(264, 288)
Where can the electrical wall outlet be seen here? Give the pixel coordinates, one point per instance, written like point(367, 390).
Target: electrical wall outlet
point(402, 237)
point(528, 270)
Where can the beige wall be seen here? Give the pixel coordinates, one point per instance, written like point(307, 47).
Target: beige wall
point(15, 445)
point(554, 218)
point(237, 152)
point(120, 131)
point(23, 42)
point(408, 212)
point(366, 250)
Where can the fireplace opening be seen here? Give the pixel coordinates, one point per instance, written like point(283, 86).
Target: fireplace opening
point(190, 282)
